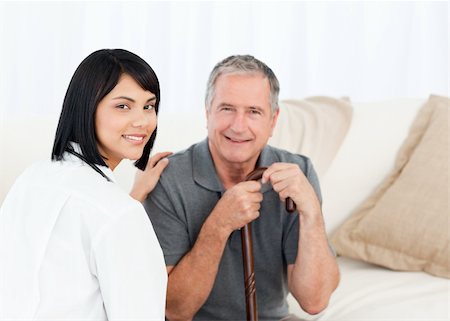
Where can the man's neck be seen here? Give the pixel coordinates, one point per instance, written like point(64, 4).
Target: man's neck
point(231, 174)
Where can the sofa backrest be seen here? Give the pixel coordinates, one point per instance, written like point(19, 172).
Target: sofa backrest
point(365, 157)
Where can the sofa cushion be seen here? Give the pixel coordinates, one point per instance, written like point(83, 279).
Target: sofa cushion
point(314, 127)
point(366, 156)
point(403, 225)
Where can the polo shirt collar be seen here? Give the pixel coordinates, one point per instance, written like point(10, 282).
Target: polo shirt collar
point(204, 171)
point(203, 168)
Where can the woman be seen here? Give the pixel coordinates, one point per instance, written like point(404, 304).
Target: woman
point(73, 245)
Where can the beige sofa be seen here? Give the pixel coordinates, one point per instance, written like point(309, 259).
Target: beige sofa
point(354, 147)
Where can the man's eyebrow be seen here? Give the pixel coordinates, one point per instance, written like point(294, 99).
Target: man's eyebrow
point(225, 105)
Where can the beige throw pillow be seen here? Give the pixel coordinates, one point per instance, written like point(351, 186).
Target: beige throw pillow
point(404, 225)
point(314, 127)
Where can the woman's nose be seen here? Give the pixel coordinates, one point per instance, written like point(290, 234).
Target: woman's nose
point(141, 119)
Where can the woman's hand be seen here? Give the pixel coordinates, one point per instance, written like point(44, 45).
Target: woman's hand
point(145, 181)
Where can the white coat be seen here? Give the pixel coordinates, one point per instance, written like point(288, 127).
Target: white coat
point(74, 246)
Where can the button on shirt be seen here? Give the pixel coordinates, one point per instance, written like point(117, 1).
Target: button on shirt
point(74, 246)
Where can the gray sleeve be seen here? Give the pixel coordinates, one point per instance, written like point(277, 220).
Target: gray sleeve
point(170, 227)
point(311, 175)
point(314, 180)
point(290, 239)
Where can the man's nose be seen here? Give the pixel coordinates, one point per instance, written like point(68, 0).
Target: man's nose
point(239, 122)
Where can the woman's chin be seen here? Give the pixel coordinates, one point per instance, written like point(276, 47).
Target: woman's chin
point(135, 155)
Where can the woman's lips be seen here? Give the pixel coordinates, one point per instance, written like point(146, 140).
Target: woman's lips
point(135, 139)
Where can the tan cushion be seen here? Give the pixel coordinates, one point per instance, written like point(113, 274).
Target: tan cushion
point(404, 224)
point(314, 127)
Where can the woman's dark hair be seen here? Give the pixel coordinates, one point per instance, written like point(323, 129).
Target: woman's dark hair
point(94, 78)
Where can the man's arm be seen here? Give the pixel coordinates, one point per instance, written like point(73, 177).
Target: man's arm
point(315, 274)
point(192, 278)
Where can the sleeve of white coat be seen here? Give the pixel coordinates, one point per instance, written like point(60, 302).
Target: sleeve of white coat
point(130, 267)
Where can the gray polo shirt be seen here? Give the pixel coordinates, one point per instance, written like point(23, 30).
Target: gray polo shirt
point(185, 195)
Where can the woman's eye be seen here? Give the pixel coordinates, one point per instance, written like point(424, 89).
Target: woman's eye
point(123, 106)
point(149, 107)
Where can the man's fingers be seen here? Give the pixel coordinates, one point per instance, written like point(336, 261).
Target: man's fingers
point(251, 186)
point(272, 169)
point(279, 171)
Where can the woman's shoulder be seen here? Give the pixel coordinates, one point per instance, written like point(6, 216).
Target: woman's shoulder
point(62, 190)
point(40, 173)
point(80, 183)
point(87, 185)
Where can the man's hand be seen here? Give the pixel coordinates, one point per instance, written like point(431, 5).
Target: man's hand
point(238, 206)
point(315, 274)
point(145, 181)
point(289, 181)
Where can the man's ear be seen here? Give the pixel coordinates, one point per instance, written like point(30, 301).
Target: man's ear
point(274, 120)
point(207, 115)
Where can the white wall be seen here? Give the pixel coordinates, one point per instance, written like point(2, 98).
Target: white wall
point(364, 50)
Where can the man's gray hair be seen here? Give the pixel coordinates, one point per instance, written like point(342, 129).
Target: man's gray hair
point(242, 64)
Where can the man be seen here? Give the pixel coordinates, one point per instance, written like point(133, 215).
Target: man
point(201, 202)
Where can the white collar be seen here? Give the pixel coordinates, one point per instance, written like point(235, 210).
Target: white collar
point(73, 158)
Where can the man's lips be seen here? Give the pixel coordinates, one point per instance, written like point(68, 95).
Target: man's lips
point(237, 140)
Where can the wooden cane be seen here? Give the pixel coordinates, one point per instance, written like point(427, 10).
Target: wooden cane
point(247, 254)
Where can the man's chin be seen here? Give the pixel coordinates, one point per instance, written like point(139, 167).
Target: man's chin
point(238, 159)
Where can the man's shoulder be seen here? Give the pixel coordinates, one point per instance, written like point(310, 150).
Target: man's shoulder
point(282, 155)
point(184, 154)
point(181, 163)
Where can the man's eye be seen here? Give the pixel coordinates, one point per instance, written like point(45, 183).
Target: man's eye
point(149, 107)
point(123, 106)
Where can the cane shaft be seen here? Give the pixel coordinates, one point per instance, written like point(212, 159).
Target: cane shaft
point(249, 273)
point(247, 254)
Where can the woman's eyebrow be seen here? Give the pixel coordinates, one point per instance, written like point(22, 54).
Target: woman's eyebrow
point(125, 97)
point(132, 100)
